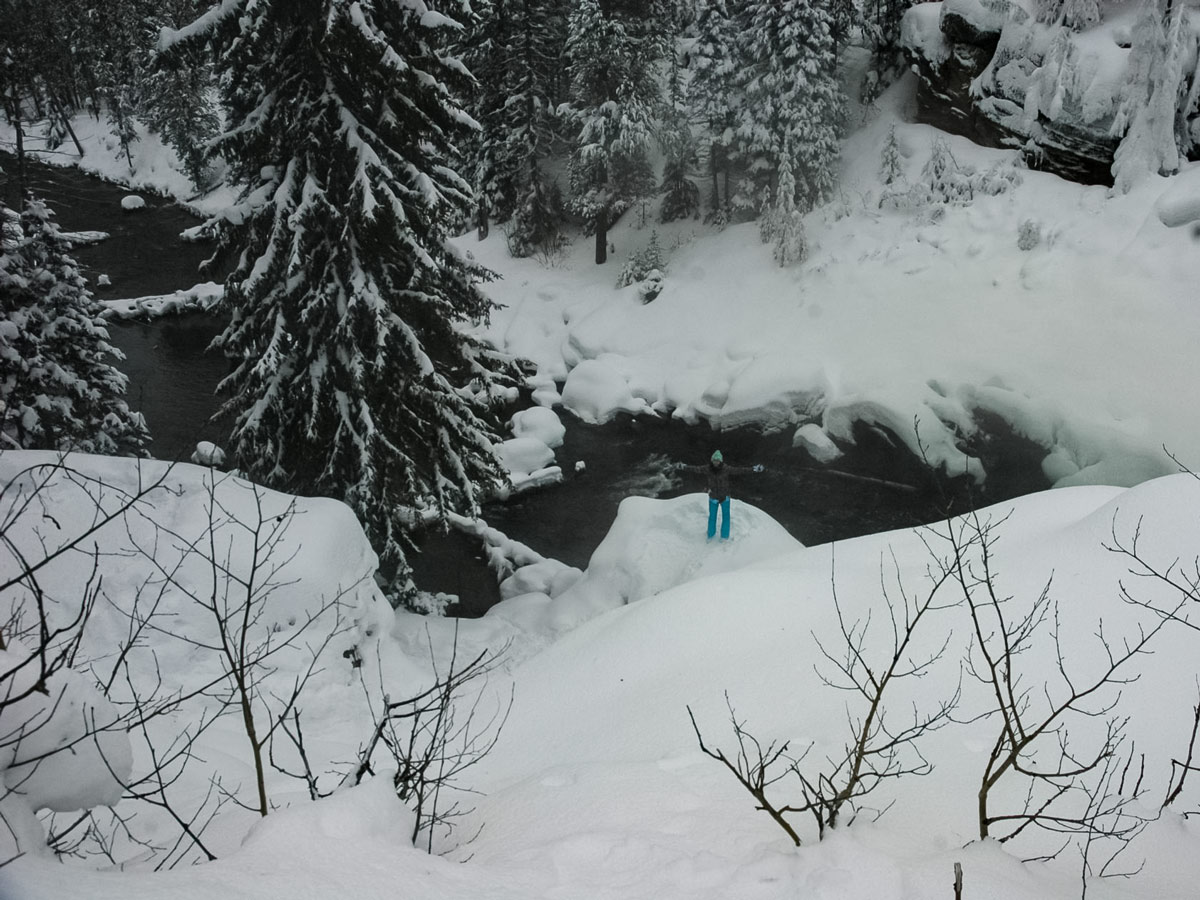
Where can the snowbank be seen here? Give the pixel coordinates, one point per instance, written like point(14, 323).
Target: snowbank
point(597, 786)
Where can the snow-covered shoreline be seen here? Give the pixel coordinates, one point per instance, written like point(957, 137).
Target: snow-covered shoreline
point(900, 317)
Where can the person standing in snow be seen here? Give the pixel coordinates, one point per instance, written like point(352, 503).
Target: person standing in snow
point(718, 475)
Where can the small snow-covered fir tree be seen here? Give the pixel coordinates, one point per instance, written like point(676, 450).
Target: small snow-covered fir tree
point(59, 389)
point(614, 50)
point(785, 228)
point(347, 301)
point(1148, 109)
point(791, 91)
point(642, 262)
point(891, 167)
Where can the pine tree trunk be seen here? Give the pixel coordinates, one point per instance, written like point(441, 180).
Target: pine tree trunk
point(13, 104)
point(482, 220)
point(601, 237)
point(66, 121)
point(716, 193)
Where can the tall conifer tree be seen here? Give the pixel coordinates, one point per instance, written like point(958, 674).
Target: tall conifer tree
point(346, 304)
point(715, 94)
point(615, 47)
point(792, 97)
point(515, 56)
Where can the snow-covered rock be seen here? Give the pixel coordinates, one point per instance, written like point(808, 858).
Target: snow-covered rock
point(523, 455)
point(596, 391)
point(132, 203)
point(541, 423)
point(812, 439)
point(208, 454)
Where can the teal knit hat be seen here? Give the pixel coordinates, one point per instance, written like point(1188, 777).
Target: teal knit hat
point(717, 457)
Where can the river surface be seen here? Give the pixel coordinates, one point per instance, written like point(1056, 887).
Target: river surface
point(172, 379)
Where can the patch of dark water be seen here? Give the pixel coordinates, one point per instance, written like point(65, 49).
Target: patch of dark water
point(143, 255)
point(172, 381)
point(878, 485)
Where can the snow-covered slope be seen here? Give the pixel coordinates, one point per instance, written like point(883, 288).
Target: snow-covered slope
point(598, 788)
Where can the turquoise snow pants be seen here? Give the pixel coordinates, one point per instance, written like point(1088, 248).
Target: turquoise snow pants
point(712, 517)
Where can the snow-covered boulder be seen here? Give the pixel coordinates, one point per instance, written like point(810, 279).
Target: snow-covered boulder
point(523, 455)
point(540, 423)
point(208, 454)
point(978, 22)
point(813, 440)
point(596, 391)
point(132, 203)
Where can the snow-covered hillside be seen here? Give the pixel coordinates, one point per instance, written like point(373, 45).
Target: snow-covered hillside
point(597, 786)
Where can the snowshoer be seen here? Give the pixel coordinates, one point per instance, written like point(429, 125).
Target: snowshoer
point(718, 489)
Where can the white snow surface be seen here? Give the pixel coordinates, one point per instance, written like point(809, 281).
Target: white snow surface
point(597, 787)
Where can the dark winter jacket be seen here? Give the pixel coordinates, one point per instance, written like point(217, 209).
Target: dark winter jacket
point(718, 477)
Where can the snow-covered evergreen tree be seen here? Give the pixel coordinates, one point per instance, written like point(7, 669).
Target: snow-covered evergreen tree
point(346, 302)
point(891, 167)
point(177, 98)
point(792, 96)
point(1147, 113)
point(715, 97)
point(515, 53)
point(1076, 15)
point(786, 228)
point(614, 47)
point(681, 197)
point(58, 387)
point(487, 51)
point(881, 27)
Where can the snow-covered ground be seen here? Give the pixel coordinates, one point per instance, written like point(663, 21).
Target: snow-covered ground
point(597, 786)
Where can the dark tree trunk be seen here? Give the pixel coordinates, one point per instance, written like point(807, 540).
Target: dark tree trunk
point(601, 237)
point(482, 220)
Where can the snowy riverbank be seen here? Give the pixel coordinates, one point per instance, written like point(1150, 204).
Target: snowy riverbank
point(907, 314)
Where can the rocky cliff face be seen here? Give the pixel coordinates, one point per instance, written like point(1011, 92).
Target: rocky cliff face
point(953, 47)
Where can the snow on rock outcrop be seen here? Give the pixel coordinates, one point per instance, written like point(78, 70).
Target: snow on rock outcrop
point(652, 545)
point(977, 21)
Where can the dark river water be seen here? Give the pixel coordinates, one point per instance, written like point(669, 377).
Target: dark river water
point(172, 380)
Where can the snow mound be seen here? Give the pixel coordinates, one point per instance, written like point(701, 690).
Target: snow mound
point(541, 423)
point(1179, 204)
point(132, 202)
point(652, 546)
point(816, 443)
point(595, 391)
